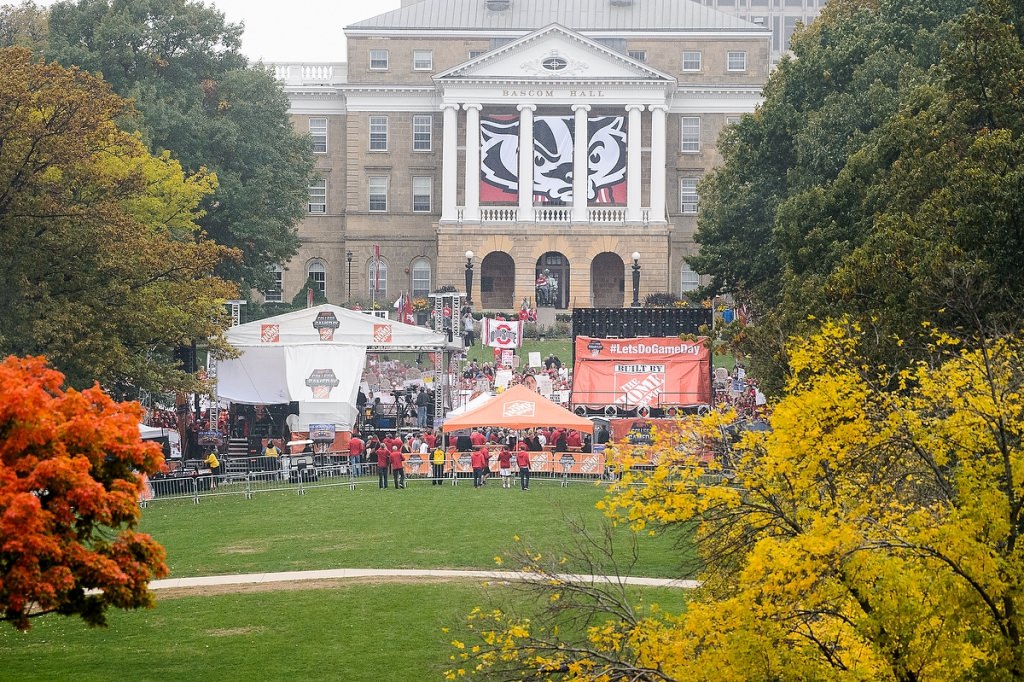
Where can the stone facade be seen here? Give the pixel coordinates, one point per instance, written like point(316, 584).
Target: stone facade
point(396, 159)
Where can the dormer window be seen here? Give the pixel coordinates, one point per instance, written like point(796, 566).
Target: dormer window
point(554, 63)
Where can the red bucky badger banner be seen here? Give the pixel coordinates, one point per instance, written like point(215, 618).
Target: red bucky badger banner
point(552, 152)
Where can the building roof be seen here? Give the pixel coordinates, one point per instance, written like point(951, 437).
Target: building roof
point(579, 15)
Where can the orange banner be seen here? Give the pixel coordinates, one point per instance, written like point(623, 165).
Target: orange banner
point(651, 372)
point(584, 463)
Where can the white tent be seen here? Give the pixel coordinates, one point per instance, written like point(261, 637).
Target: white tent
point(314, 357)
point(476, 402)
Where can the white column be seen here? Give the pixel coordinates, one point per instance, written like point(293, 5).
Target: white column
point(526, 162)
point(580, 152)
point(472, 212)
point(634, 178)
point(657, 214)
point(449, 162)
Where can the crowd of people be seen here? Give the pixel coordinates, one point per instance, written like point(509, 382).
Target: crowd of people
point(390, 451)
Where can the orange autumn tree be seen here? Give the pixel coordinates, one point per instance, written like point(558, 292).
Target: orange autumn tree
point(70, 465)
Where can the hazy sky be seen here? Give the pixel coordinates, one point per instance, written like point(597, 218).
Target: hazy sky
point(300, 30)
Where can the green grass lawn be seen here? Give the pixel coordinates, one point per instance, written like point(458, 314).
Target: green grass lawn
point(373, 632)
point(562, 348)
point(421, 527)
point(353, 631)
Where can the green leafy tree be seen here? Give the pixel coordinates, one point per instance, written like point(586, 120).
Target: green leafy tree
point(179, 61)
point(105, 268)
point(23, 25)
point(807, 178)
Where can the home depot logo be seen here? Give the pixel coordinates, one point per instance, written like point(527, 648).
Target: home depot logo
point(519, 408)
point(270, 333)
point(382, 333)
point(322, 381)
point(325, 323)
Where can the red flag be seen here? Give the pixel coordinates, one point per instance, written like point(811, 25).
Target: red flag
point(376, 267)
point(409, 315)
point(309, 297)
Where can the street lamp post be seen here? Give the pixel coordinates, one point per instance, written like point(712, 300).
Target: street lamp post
point(469, 278)
point(636, 279)
point(348, 259)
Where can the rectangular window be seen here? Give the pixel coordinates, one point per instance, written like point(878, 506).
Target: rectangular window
point(378, 133)
point(732, 120)
point(690, 141)
point(421, 279)
point(691, 61)
point(273, 295)
point(638, 55)
point(423, 60)
point(421, 132)
point(318, 196)
point(736, 61)
point(688, 196)
point(378, 190)
point(379, 60)
point(690, 279)
point(318, 135)
point(421, 190)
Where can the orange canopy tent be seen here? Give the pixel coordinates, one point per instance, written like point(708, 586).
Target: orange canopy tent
point(519, 408)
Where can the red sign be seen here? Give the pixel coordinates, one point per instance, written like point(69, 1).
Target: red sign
point(382, 333)
point(270, 333)
point(645, 372)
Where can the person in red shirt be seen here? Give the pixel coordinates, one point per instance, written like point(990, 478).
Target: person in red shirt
point(505, 467)
point(477, 438)
point(523, 461)
point(382, 467)
point(430, 438)
point(478, 460)
point(573, 439)
point(487, 464)
point(398, 467)
point(356, 448)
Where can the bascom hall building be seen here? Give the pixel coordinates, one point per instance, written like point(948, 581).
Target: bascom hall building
point(419, 136)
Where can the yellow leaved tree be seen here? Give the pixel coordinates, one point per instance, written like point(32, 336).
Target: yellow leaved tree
point(872, 534)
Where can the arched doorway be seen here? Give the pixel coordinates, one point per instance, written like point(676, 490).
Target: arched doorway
point(608, 280)
point(498, 281)
point(553, 267)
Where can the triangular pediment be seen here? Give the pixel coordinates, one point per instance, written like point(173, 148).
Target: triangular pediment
point(553, 53)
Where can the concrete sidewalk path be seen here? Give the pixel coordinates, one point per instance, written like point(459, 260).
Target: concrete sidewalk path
point(411, 574)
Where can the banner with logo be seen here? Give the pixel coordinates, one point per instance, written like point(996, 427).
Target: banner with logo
point(553, 145)
point(644, 372)
point(325, 382)
point(502, 333)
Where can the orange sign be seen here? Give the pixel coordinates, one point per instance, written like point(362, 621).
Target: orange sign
point(382, 333)
point(644, 372)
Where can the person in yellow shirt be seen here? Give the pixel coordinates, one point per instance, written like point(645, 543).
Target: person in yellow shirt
point(437, 463)
point(214, 464)
point(271, 450)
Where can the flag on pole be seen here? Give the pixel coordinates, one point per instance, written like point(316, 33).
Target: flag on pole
point(376, 267)
point(309, 297)
point(408, 316)
point(400, 303)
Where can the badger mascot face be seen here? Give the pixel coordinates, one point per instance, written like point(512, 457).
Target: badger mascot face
point(552, 157)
